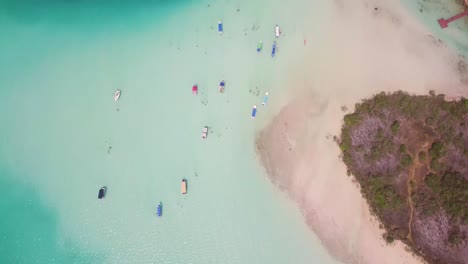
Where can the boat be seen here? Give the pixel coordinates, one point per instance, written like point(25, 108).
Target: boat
point(273, 49)
point(220, 27)
point(259, 46)
point(265, 99)
point(116, 95)
point(102, 192)
point(183, 186)
point(277, 31)
point(221, 86)
point(205, 132)
point(254, 111)
point(195, 89)
point(159, 209)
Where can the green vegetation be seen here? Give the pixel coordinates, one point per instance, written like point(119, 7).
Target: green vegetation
point(395, 127)
point(411, 151)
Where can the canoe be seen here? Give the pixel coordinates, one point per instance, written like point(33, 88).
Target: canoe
point(183, 186)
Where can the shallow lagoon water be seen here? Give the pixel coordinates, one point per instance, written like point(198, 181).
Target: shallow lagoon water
point(63, 137)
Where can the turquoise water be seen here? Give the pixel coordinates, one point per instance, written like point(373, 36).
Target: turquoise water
point(63, 136)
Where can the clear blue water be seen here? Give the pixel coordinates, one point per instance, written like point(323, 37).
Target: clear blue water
point(63, 137)
point(61, 62)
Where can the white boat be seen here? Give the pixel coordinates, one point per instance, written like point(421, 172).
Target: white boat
point(205, 132)
point(116, 95)
point(277, 31)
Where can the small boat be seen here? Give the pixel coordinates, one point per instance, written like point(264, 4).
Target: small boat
point(273, 49)
point(102, 192)
point(221, 86)
point(195, 89)
point(259, 46)
point(116, 95)
point(254, 111)
point(205, 132)
point(183, 186)
point(159, 209)
point(220, 27)
point(277, 31)
point(265, 99)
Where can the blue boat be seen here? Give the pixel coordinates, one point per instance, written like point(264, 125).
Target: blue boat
point(254, 111)
point(159, 210)
point(273, 49)
point(265, 99)
point(220, 27)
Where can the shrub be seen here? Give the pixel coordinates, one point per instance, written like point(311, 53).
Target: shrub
point(432, 181)
point(437, 150)
point(395, 127)
point(406, 160)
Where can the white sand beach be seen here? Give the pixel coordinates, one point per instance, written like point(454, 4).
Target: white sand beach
point(370, 46)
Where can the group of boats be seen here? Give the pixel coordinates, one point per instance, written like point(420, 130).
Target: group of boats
point(273, 47)
point(159, 209)
point(183, 185)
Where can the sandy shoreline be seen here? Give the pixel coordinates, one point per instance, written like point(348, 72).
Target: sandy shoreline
point(369, 48)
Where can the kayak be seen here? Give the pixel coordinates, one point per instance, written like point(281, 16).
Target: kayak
point(159, 210)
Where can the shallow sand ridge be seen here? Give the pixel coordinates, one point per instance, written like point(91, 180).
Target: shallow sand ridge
point(369, 47)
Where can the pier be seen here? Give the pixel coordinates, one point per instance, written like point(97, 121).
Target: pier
point(444, 22)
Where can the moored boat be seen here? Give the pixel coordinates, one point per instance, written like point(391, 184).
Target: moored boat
point(205, 132)
point(220, 27)
point(102, 192)
point(254, 111)
point(116, 95)
point(259, 46)
point(277, 31)
point(159, 209)
point(273, 49)
point(183, 186)
point(221, 86)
